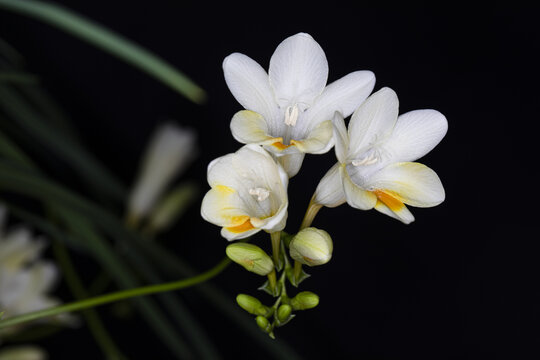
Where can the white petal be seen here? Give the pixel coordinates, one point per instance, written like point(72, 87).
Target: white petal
point(18, 248)
point(170, 150)
point(249, 84)
point(298, 71)
point(291, 162)
point(412, 183)
point(276, 222)
point(318, 141)
point(402, 214)
point(45, 275)
point(356, 196)
point(249, 127)
point(344, 95)
point(230, 235)
point(341, 137)
point(223, 207)
point(330, 192)
point(416, 133)
point(249, 162)
point(373, 121)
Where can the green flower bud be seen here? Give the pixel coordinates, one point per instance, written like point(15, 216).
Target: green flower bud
point(311, 246)
point(284, 312)
point(305, 300)
point(263, 323)
point(251, 305)
point(251, 257)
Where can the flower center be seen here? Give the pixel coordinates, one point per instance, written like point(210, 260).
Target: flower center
point(261, 193)
point(366, 160)
point(291, 115)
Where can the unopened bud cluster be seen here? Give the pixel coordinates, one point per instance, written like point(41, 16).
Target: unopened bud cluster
point(311, 246)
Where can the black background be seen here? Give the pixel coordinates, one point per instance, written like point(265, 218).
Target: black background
point(460, 282)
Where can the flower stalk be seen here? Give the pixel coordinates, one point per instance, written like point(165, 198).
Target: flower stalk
point(276, 248)
point(311, 212)
point(117, 296)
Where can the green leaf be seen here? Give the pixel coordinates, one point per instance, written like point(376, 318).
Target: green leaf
point(108, 41)
point(113, 263)
point(88, 167)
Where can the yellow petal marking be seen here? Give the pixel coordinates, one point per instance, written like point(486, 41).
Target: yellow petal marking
point(245, 226)
point(390, 199)
point(280, 146)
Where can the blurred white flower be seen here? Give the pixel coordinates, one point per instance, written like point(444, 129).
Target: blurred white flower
point(289, 110)
point(248, 194)
point(23, 353)
point(25, 280)
point(169, 151)
point(374, 168)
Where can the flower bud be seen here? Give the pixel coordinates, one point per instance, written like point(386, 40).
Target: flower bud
point(169, 151)
point(311, 246)
point(284, 313)
point(305, 300)
point(251, 257)
point(251, 305)
point(263, 323)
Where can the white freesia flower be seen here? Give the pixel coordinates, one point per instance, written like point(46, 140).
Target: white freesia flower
point(169, 151)
point(374, 168)
point(289, 110)
point(25, 280)
point(23, 353)
point(248, 194)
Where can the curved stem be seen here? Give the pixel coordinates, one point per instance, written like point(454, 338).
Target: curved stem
point(311, 212)
point(116, 296)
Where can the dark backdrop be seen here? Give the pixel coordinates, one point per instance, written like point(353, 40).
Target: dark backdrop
point(459, 282)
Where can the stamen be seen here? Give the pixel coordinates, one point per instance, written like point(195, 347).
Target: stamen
point(261, 193)
point(291, 115)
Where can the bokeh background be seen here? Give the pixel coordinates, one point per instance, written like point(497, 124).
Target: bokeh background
point(460, 282)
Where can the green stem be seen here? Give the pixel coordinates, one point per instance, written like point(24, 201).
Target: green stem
point(116, 296)
point(272, 281)
point(276, 238)
point(297, 270)
point(311, 212)
point(108, 41)
point(95, 325)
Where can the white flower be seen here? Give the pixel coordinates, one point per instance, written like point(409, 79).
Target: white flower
point(374, 168)
point(23, 353)
point(289, 110)
point(25, 280)
point(169, 151)
point(248, 194)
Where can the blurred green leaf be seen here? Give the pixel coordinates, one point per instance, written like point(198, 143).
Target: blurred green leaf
point(10, 150)
point(89, 168)
point(17, 77)
point(109, 41)
point(113, 263)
